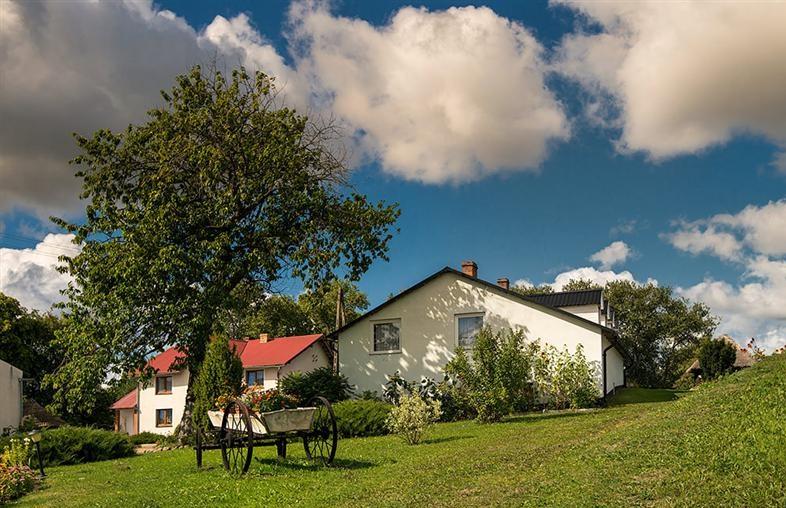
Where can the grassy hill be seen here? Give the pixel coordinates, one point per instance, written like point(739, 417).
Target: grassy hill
point(721, 445)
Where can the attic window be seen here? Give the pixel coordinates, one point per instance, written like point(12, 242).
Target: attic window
point(387, 337)
point(467, 328)
point(163, 385)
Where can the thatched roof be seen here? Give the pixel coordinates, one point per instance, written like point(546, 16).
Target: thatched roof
point(41, 415)
point(743, 359)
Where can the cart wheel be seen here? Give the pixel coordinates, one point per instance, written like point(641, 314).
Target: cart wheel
point(236, 438)
point(322, 439)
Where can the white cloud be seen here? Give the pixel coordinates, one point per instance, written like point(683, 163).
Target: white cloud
point(678, 77)
point(592, 274)
point(442, 96)
point(438, 96)
point(30, 275)
point(756, 239)
point(79, 66)
point(758, 229)
point(613, 254)
point(697, 240)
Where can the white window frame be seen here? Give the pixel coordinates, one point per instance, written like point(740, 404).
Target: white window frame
point(374, 323)
point(456, 325)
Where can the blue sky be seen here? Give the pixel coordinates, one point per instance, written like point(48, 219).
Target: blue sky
point(607, 172)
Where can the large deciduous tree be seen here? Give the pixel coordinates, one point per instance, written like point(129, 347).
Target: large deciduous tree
point(221, 186)
point(660, 331)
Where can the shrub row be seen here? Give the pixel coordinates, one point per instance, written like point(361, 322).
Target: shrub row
point(77, 445)
point(361, 417)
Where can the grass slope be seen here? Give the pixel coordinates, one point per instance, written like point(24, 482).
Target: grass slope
point(722, 445)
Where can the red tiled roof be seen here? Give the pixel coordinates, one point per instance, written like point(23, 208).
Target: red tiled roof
point(279, 351)
point(164, 361)
point(252, 353)
point(127, 401)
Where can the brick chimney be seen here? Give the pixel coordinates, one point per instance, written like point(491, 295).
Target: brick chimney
point(264, 337)
point(503, 282)
point(469, 268)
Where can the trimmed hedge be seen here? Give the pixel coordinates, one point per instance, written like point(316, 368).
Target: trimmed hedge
point(359, 417)
point(145, 438)
point(77, 445)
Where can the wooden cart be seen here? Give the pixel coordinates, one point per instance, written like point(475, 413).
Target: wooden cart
point(237, 430)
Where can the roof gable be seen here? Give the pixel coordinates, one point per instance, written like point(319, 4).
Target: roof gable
point(252, 352)
point(526, 300)
point(127, 401)
point(279, 351)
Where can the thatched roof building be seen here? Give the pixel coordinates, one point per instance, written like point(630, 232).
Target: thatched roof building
point(744, 357)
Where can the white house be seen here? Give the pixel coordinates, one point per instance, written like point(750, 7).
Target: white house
point(158, 406)
point(10, 396)
point(417, 331)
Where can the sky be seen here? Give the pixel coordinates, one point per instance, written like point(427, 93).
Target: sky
point(545, 141)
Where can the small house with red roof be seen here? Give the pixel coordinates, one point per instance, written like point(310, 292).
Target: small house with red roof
point(158, 406)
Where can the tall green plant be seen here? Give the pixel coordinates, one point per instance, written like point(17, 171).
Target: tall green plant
point(496, 375)
point(716, 357)
point(221, 374)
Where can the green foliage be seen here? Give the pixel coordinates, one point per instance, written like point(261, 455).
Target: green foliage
point(221, 374)
point(498, 377)
point(17, 452)
point(314, 311)
point(716, 357)
point(27, 343)
point(565, 380)
point(659, 330)
point(361, 417)
point(533, 290)
point(412, 417)
point(580, 285)
point(322, 381)
point(15, 482)
point(219, 187)
point(144, 438)
point(77, 445)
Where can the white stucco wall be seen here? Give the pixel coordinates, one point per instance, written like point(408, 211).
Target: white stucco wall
point(149, 402)
point(428, 331)
point(590, 312)
point(615, 368)
point(313, 357)
point(10, 395)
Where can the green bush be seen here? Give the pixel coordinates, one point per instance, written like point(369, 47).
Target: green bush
point(322, 381)
point(565, 380)
point(716, 357)
point(497, 379)
point(412, 417)
point(77, 445)
point(361, 417)
point(144, 438)
point(15, 481)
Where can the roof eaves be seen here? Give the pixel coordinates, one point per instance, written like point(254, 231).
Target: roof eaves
point(463, 275)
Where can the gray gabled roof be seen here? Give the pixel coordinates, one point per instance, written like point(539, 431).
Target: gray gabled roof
point(609, 333)
point(569, 298)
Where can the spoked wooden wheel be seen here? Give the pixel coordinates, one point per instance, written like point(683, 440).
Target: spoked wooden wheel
point(236, 438)
point(322, 439)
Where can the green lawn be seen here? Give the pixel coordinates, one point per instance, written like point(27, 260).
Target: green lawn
point(722, 445)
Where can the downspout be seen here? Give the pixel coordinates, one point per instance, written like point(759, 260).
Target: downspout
point(604, 368)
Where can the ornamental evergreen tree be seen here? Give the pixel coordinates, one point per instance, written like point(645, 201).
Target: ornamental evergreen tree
point(716, 357)
point(221, 374)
